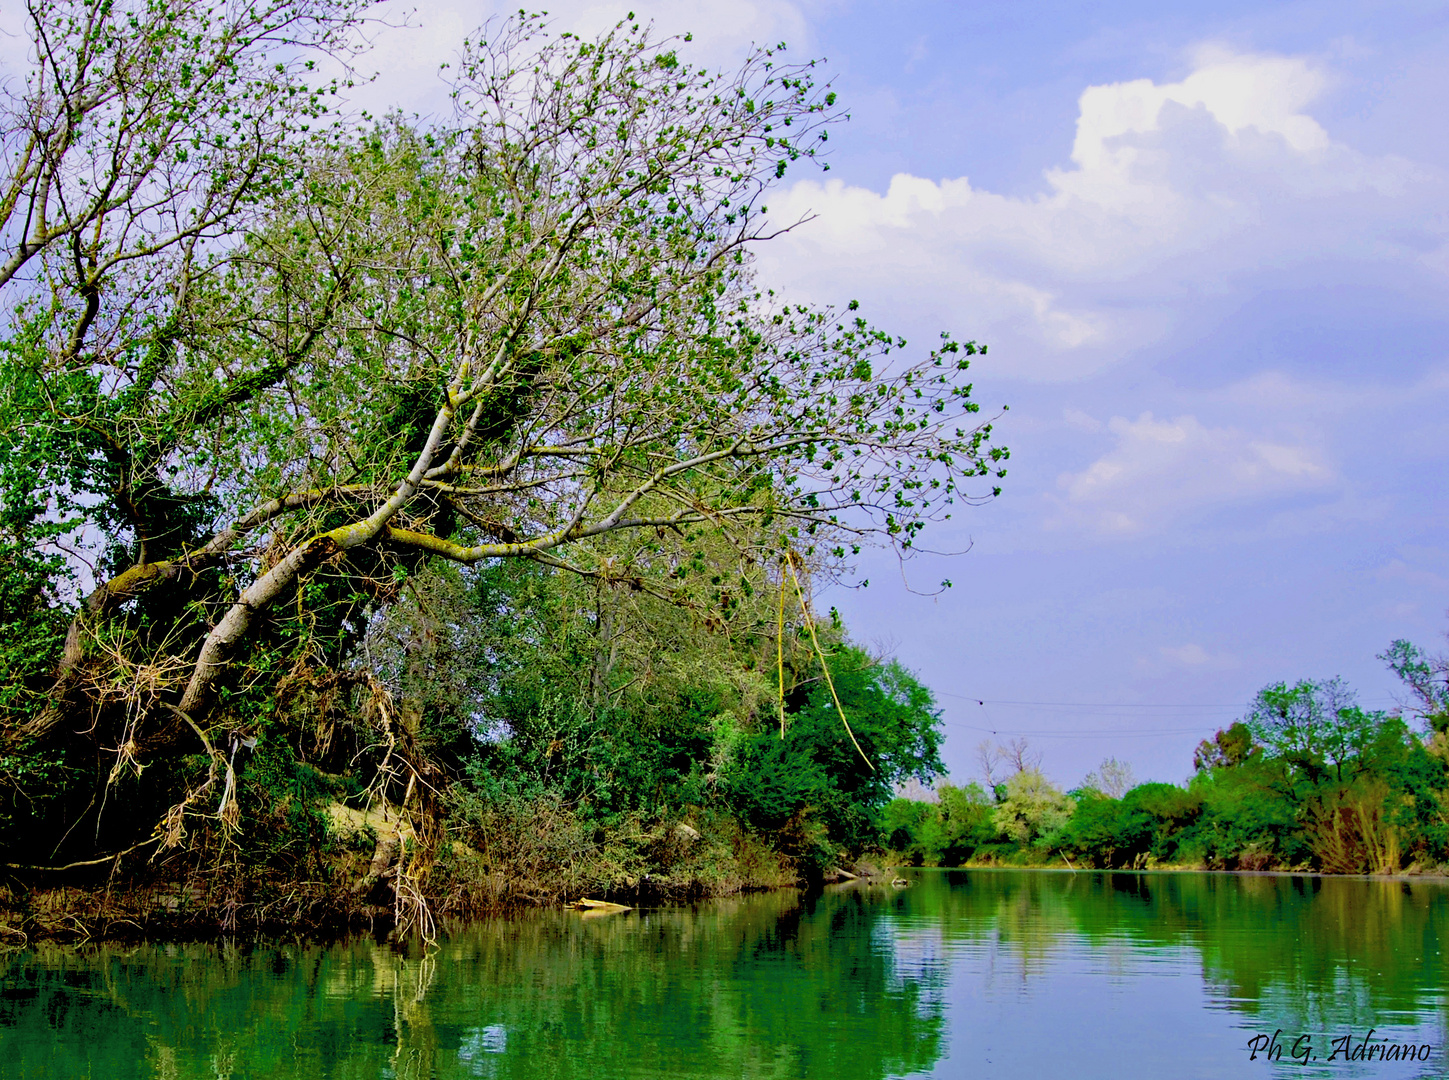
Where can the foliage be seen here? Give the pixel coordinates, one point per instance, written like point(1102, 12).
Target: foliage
point(1129, 831)
point(1311, 725)
point(615, 706)
point(1427, 676)
point(1112, 778)
point(1229, 747)
point(460, 453)
point(1033, 811)
point(944, 833)
point(817, 768)
point(1307, 780)
point(1249, 817)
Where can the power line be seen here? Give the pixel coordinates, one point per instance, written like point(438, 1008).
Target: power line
point(1085, 704)
point(1115, 733)
point(1115, 704)
point(1092, 733)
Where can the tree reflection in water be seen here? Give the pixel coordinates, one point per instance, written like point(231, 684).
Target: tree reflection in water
point(769, 986)
point(854, 983)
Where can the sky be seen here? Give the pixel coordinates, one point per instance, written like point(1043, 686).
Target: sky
point(1208, 248)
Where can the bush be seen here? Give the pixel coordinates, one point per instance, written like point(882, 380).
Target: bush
point(817, 770)
point(1033, 812)
point(1145, 824)
point(1251, 807)
point(944, 833)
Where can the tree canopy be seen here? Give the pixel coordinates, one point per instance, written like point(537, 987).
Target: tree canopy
point(261, 369)
point(1312, 724)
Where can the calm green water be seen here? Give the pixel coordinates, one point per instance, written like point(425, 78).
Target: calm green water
point(965, 974)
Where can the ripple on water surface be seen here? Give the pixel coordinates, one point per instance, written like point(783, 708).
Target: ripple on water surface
point(964, 974)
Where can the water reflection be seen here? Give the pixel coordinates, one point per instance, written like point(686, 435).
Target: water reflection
point(1102, 974)
point(768, 986)
point(981, 973)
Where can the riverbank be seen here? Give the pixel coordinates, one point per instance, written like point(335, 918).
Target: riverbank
point(1415, 871)
point(372, 873)
point(135, 898)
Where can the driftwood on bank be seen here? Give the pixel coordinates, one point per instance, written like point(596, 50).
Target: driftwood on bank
point(599, 907)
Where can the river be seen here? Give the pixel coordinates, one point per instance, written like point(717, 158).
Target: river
point(980, 973)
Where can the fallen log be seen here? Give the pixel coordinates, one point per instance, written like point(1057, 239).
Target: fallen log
point(586, 904)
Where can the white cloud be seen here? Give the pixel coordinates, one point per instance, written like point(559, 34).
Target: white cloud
point(1161, 470)
point(1267, 93)
point(1416, 577)
point(1076, 418)
point(1175, 193)
point(1186, 661)
point(1189, 655)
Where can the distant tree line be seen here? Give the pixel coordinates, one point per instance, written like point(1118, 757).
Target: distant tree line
point(1307, 779)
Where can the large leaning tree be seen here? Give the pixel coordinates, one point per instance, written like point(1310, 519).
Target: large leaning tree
point(258, 368)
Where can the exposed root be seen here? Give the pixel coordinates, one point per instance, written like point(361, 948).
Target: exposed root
point(419, 828)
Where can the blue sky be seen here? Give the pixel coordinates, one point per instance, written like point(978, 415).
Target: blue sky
point(1207, 247)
